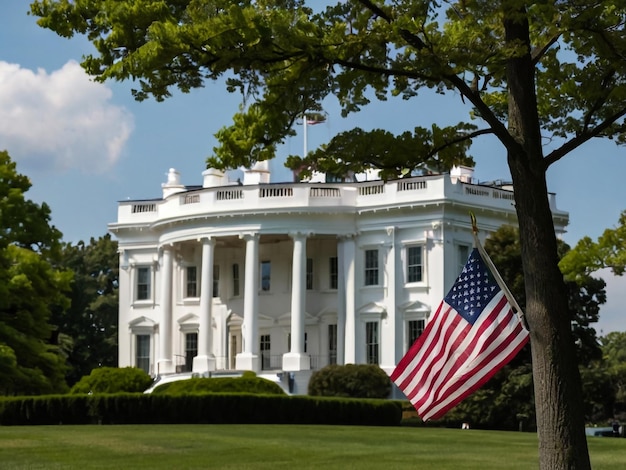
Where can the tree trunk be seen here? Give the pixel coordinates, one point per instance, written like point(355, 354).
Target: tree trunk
point(558, 389)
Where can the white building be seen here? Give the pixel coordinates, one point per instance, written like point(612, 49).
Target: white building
point(290, 277)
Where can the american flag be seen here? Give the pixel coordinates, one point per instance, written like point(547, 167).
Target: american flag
point(473, 334)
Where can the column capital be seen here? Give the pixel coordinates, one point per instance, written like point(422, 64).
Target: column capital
point(347, 236)
point(249, 236)
point(391, 230)
point(209, 239)
point(300, 234)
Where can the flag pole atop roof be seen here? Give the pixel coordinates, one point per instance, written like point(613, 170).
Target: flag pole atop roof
point(472, 335)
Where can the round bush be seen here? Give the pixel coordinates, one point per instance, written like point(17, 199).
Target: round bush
point(246, 384)
point(113, 380)
point(350, 380)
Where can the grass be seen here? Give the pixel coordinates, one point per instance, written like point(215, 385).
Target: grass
point(278, 447)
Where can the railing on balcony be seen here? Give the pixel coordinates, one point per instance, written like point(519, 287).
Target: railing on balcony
point(372, 189)
point(142, 208)
point(410, 185)
point(325, 192)
point(190, 199)
point(276, 191)
point(229, 194)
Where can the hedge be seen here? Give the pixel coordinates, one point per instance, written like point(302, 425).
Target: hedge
point(205, 408)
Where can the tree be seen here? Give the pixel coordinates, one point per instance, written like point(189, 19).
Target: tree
point(90, 323)
point(608, 252)
point(30, 287)
point(533, 72)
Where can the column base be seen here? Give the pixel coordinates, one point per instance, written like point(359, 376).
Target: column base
point(165, 366)
point(247, 361)
point(296, 361)
point(203, 364)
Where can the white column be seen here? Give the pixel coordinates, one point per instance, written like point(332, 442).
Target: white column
point(166, 364)
point(248, 359)
point(391, 331)
point(349, 282)
point(296, 359)
point(205, 360)
point(341, 304)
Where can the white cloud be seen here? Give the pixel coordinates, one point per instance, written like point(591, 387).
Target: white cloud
point(60, 120)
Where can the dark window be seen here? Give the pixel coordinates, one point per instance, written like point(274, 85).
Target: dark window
point(191, 350)
point(334, 272)
point(332, 344)
point(235, 279)
point(266, 271)
point(143, 283)
point(192, 281)
point(309, 274)
point(216, 280)
point(371, 338)
point(142, 353)
point(416, 328)
point(371, 267)
point(414, 264)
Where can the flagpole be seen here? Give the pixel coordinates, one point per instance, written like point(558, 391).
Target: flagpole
point(305, 135)
point(492, 267)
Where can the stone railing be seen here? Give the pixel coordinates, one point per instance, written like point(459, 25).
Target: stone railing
point(369, 195)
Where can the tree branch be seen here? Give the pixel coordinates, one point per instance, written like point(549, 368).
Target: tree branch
point(580, 139)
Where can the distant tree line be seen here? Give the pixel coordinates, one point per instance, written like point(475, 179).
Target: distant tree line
point(58, 301)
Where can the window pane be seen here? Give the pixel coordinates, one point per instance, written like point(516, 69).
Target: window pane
point(266, 269)
point(142, 353)
point(334, 273)
point(414, 264)
point(235, 279)
point(265, 346)
point(371, 267)
point(143, 283)
point(415, 329)
point(192, 281)
point(309, 274)
point(332, 344)
point(191, 350)
point(216, 280)
point(371, 335)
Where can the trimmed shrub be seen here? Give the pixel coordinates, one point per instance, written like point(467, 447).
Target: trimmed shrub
point(113, 380)
point(246, 384)
point(207, 408)
point(350, 380)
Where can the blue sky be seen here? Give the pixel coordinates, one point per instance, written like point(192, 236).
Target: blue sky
point(86, 146)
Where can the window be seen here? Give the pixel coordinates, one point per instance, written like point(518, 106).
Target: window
point(266, 270)
point(414, 264)
point(142, 353)
point(415, 329)
point(371, 342)
point(332, 344)
point(464, 252)
point(143, 283)
point(309, 274)
point(192, 281)
point(191, 350)
point(334, 272)
point(235, 280)
point(265, 346)
point(371, 267)
point(216, 280)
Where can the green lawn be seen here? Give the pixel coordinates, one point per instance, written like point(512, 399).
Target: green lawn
point(278, 447)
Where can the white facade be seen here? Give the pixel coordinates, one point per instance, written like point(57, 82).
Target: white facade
point(290, 277)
